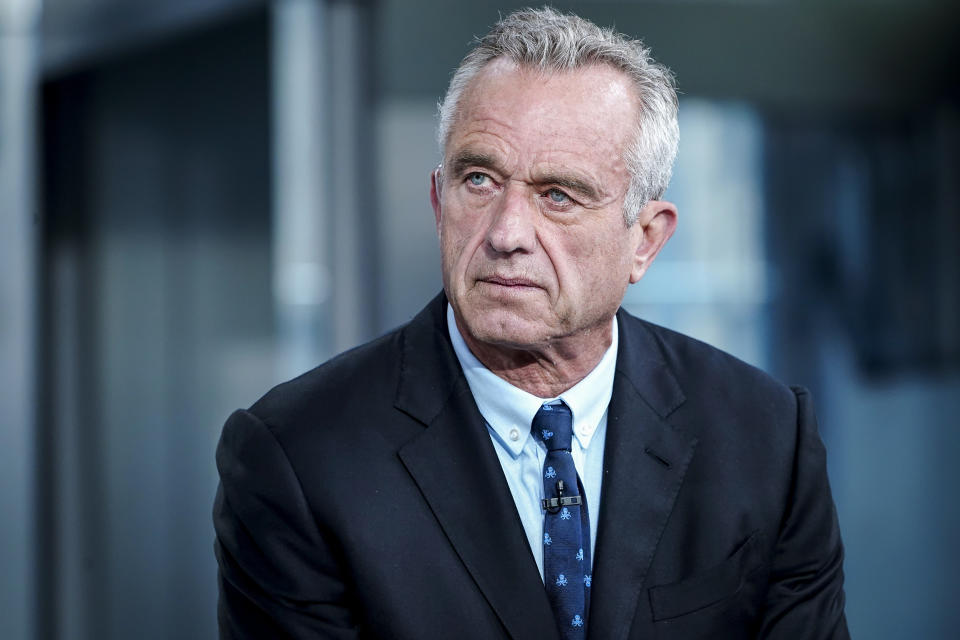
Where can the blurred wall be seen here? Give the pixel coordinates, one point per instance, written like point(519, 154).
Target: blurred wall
point(203, 238)
point(157, 188)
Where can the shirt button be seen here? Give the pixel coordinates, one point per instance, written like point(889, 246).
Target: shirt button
point(514, 435)
point(582, 431)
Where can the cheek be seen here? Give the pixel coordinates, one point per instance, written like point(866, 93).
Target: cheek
point(460, 239)
point(578, 256)
point(592, 267)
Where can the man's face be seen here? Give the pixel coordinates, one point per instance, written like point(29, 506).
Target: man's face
point(529, 207)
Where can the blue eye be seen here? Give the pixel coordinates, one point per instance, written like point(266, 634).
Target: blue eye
point(477, 179)
point(558, 196)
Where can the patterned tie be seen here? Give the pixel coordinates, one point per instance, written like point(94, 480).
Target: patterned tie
point(566, 525)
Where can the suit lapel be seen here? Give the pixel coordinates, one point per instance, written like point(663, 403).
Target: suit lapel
point(645, 460)
point(456, 468)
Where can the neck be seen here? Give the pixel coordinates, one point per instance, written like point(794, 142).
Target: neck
point(544, 370)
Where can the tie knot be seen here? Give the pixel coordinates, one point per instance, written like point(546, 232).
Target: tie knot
point(553, 425)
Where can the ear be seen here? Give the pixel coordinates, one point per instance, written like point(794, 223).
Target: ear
point(435, 184)
point(657, 222)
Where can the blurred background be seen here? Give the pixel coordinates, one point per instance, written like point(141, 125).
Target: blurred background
point(202, 198)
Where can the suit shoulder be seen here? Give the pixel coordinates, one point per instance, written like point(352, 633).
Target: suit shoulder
point(710, 370)
point(364, 375)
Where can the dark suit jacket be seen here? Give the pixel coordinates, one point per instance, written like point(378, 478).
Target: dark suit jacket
point(364, 498)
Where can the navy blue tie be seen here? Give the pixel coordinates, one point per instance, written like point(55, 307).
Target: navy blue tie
point(566, 525)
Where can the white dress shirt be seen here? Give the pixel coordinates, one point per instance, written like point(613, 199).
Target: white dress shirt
point(509, 412)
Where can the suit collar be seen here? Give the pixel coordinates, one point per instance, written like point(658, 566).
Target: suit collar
point(645, 461)
point(456, 468)
point(643, 364)
point(429, 370)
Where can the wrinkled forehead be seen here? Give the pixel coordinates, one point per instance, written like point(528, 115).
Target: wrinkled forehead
point(594, 104)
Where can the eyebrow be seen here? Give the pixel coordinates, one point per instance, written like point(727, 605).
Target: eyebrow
point(467, 159)
point(573, 183)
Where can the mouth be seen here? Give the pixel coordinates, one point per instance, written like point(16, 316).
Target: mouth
point(516, 283)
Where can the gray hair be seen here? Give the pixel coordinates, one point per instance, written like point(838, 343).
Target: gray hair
point(550, 41)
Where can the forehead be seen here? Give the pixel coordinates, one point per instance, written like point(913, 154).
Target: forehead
point(590, 110)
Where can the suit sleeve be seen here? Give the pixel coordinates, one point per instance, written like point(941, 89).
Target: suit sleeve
point(805, 598)
point(278, 576)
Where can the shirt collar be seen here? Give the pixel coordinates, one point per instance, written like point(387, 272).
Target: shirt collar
point(509, 410)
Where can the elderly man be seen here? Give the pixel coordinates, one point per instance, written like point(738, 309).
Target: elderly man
point(525, 460)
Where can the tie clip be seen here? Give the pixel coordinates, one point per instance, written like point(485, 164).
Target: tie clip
point(552, 504)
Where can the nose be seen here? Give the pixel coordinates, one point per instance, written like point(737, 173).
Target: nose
point(513, 227)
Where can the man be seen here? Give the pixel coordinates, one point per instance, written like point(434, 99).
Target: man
point(523, 460)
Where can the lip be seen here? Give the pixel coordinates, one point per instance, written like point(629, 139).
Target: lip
point(509, 282)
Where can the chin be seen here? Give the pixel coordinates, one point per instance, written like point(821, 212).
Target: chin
point(504, 328)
